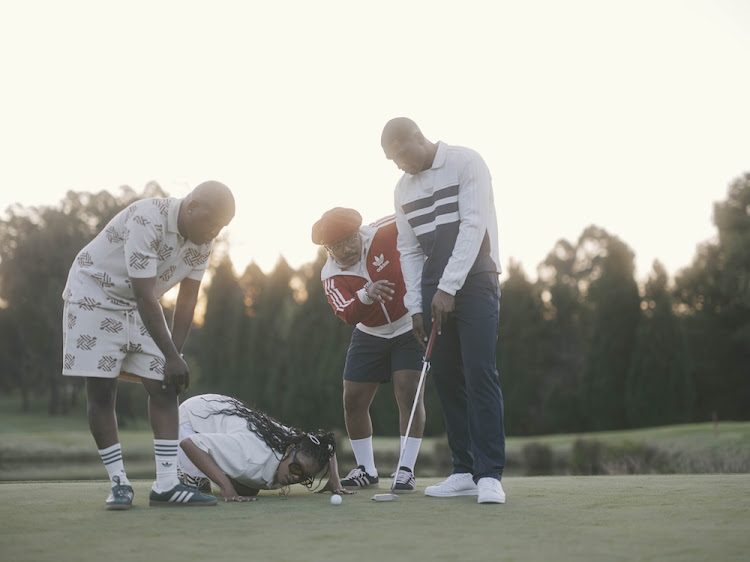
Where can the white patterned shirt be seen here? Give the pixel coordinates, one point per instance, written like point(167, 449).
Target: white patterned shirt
point(142, 241)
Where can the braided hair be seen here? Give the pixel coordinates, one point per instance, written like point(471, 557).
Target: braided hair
point(319, 445)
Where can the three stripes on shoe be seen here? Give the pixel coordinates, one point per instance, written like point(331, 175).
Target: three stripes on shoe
point(181, 497)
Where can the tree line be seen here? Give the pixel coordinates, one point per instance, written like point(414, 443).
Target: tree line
point(581, 348)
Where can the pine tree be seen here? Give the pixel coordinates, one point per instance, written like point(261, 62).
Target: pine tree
point(615, 303)
point(566, 317)
point(220, 336)
point(522, 354)
point(659, 388)
point(714, 302)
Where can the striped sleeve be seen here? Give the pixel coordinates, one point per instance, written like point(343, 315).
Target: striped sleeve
point(475, 208)
point(344, 301)
point(385, 221)
point(412, 258)
point(336, 298)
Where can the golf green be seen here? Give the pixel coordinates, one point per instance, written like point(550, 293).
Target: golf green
point(660, 518)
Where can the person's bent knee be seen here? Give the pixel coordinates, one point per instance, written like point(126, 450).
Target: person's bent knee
point(158, 396)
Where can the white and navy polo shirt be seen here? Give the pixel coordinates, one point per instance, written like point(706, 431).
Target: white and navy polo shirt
point(447, 223)
point(141, 241)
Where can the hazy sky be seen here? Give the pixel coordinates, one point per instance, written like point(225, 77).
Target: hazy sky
point(632, 115)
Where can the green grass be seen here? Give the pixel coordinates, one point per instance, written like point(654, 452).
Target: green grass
point(614, 518)
point(681, 517)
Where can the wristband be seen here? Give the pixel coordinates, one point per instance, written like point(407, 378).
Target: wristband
point(363, 296)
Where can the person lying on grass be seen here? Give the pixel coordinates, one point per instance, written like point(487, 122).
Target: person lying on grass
point(243, 450)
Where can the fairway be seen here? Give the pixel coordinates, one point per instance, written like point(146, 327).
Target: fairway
point(660, 518)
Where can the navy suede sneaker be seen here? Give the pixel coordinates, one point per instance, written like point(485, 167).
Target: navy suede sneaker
point(181, 495)
point(120, 496)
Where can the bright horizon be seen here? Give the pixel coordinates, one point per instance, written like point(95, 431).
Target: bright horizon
point(629, 115)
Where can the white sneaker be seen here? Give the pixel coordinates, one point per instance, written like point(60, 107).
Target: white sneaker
point(490, 491)
point(458, 484)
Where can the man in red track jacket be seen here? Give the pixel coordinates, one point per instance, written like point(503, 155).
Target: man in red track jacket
point(364, 286)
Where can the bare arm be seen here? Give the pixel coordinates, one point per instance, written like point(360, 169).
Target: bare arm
point(175, 369)
point(334, 482)
point(184, 311)
point(442, 304)
point(203, 461)
point(418, 329)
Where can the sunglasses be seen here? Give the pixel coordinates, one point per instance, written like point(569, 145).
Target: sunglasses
point(346, 243)
point(295, 469)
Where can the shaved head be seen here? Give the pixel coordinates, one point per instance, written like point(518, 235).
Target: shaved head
point(399, 128)
point(216, 194)
point(406, 146)
point(205, 211)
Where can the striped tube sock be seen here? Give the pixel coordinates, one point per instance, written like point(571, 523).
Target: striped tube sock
point(112, 459)
point(165, 452)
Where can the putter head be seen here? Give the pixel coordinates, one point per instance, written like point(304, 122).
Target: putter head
point(384, 497)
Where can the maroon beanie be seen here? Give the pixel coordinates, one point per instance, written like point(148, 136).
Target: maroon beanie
point(335, 225)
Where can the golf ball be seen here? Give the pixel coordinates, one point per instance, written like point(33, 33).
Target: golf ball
point(336, 499)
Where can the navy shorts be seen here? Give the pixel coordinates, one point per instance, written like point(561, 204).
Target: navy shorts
point(373, 359)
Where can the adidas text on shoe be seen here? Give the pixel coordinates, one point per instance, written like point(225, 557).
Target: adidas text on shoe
point(405, 481)
point(120, 496)
point(457, 484)
point(490, 491)
point(181, 495)
point(358, 478)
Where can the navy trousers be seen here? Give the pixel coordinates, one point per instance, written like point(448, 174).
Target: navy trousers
point(464, 370)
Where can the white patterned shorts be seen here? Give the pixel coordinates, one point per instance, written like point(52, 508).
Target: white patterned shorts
point(108, 344)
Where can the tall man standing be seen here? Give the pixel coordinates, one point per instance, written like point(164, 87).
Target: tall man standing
point(447, 238)
point(113, 324)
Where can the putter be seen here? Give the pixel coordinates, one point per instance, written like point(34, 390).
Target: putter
point(425, 367)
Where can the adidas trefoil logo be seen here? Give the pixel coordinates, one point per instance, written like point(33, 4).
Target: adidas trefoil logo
point(166, 464)
point(380, 262)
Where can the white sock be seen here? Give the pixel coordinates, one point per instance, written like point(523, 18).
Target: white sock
point(165, 452)
point(410, 451)
point(112, 459)
point(363, 453)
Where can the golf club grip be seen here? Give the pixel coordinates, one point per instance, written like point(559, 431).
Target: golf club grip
point(431, 342)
